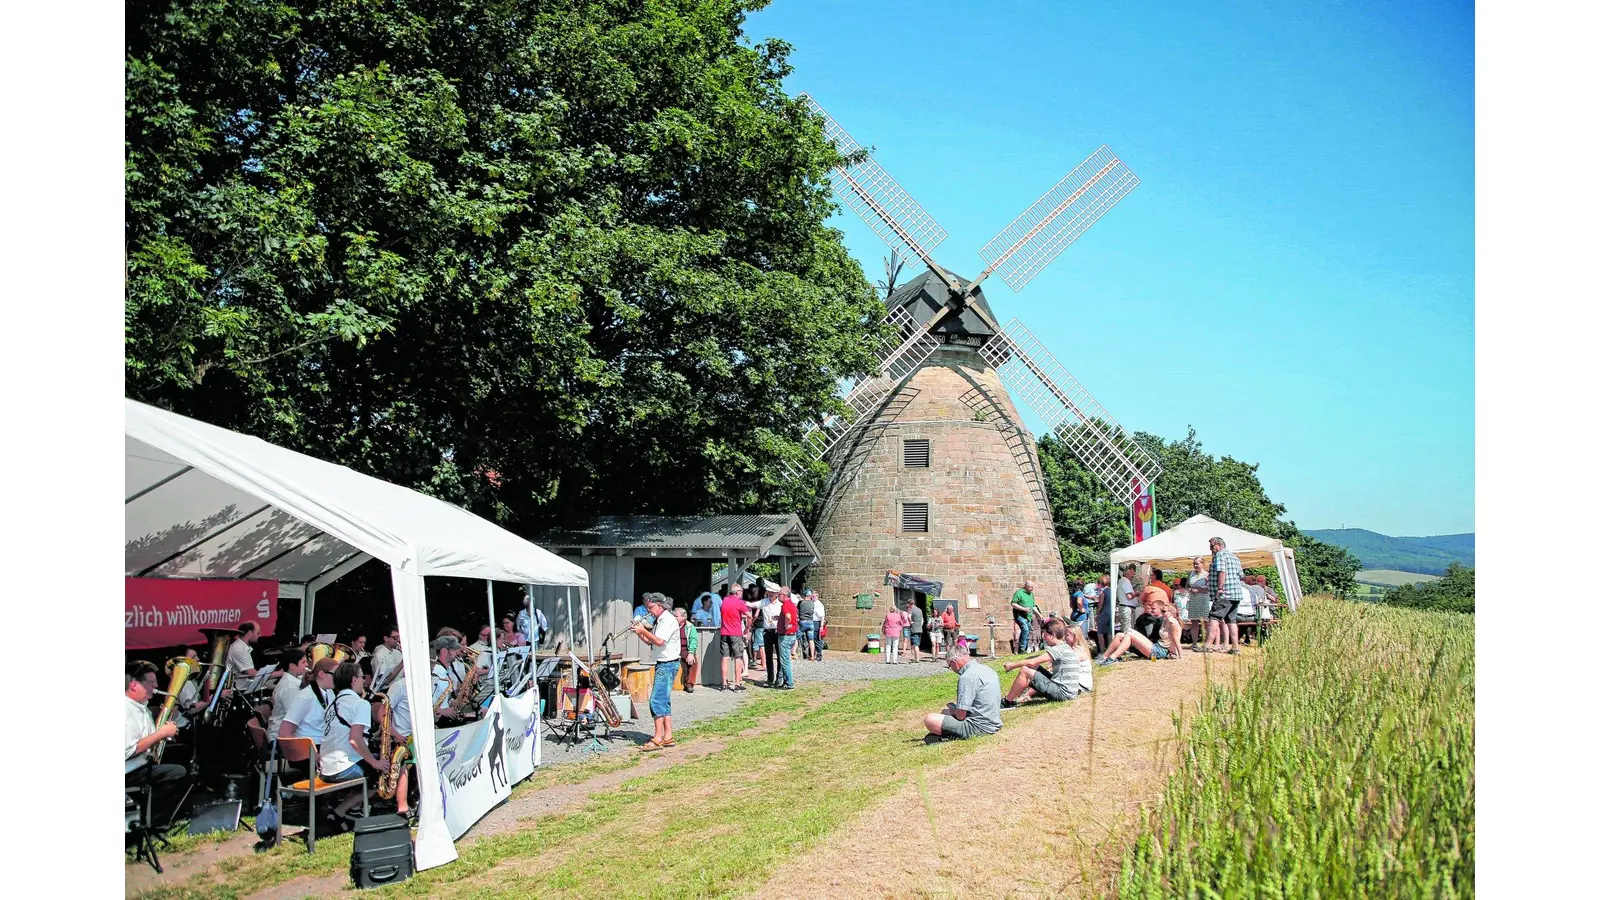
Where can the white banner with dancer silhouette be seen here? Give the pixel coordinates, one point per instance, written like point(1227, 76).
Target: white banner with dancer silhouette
point(479, 763)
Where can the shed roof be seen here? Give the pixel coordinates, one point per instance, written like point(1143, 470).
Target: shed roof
point(750, 535)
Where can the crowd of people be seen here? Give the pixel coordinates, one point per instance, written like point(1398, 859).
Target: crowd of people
point(336, 701)
point(1149, 617)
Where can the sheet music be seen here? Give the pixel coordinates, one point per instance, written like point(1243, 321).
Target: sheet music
point(327, 638)
point(259, 681)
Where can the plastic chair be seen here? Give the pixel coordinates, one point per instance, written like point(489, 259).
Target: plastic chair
point(296, 750)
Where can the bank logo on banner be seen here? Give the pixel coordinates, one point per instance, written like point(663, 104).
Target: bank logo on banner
point(169, 612)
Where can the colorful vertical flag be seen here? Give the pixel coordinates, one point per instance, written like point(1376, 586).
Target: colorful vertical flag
point(1144, 513)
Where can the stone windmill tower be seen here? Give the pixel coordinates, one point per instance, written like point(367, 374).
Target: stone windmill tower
point(931, 470)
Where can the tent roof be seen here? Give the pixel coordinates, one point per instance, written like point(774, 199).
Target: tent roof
point(1176, 547)
point(206, 502)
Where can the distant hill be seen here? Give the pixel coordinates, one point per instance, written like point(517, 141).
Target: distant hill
point(1428, 555)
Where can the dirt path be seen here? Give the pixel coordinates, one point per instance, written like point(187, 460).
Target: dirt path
point(1036, 818)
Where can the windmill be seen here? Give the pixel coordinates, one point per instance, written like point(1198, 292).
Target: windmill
point(931, 470)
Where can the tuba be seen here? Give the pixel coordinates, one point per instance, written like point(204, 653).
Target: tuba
point(321, 651)
point(179, 668)
point(389, 782)
point(342, 653)
point(220, 638)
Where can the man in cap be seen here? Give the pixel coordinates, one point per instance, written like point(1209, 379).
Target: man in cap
point(662, 636)
point(445, 649)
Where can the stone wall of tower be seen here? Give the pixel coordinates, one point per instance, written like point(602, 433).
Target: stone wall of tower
point(988, 522)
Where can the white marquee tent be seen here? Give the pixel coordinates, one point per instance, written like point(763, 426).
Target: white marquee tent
point(205, 502)
point(1174, 551)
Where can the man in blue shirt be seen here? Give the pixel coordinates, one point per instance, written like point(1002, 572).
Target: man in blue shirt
point(531, 623)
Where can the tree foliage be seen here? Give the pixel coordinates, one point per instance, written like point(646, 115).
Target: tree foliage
point(1455, 592)
point(1090, 522)
point(526, 256)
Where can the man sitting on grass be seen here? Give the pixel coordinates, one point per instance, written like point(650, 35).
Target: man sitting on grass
point(1058, 682)
point(977, 706)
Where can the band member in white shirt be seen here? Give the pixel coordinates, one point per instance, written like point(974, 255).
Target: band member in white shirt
point(483, 645)
point(386, 659)
point(240, 661)
point(293, 663)
point(358, 648)
point(307, 714)
point(344, 746)
point(140, 734)
point(445, 679)
point(400, 734)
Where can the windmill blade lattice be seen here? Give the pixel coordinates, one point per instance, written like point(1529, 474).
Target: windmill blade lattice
point(896, 361)
point(1035, 238)
point(1095, 438)
point(878, 199)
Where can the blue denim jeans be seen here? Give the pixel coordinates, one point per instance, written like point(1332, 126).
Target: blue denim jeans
point(1024, 631)
point(810, 642)
point(785, 664)
point(661, 690)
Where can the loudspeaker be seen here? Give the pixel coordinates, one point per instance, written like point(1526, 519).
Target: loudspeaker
point(220, 815)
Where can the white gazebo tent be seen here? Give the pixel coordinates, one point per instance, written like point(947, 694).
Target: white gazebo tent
point(205, 502)
point(1174, 550)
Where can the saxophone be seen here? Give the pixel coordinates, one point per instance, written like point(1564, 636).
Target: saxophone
point(464, 691)
point(179, 667)
point(389, 782)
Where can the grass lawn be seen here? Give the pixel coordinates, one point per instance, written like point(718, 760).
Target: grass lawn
point(715, 826)
point(1343, 768)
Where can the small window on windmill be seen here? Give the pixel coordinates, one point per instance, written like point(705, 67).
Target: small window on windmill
point(916, 453)
point(914, 517)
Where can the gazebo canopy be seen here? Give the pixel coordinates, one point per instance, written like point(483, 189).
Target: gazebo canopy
point(1175, 549)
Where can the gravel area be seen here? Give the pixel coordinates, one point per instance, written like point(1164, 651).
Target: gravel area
point(710, 702)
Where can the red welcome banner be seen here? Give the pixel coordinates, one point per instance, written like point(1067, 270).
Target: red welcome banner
point(169, 612)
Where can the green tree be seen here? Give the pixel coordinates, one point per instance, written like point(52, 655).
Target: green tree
point(1455, 592)
point(526, 256)
point(1090, 522)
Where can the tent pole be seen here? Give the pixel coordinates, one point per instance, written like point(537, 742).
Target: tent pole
point(308, 608)
point(588, 620)
point(572, 629)
point(494, 643)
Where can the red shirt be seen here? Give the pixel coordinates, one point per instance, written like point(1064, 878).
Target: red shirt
point(791, 616)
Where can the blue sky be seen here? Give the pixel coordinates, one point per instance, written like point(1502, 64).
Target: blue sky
point(1294, 275)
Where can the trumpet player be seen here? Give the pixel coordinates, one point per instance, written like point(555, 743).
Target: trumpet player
point(141, 734)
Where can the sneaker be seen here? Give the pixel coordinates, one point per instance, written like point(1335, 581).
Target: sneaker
point(1007, 704)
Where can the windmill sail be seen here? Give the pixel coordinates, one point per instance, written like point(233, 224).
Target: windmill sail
point(896, 361)
point(1097, 440)
point(1034, 239)
point(879, 200)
